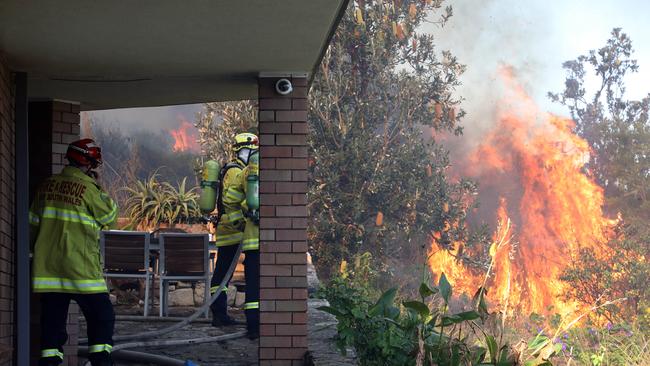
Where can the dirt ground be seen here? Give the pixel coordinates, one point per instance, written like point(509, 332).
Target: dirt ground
point(237, 352)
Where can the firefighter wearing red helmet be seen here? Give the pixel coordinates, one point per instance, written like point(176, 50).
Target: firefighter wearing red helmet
point(67, 214)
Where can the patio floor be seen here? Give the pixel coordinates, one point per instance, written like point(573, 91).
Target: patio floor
point(237, 352)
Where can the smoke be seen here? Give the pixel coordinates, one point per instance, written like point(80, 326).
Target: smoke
point(152, 119)
point(137, 142)
point(533, 37)
point(484, 38)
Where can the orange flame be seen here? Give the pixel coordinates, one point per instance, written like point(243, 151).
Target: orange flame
point(533, 164)
point(185, 137)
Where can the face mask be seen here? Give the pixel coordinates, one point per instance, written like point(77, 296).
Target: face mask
point(244, 155)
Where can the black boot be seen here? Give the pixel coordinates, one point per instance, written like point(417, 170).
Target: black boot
point(49, 361)
point(253, 334)
point(224, 321)
point(253, 323)
point(102, 363)
point(100, 359)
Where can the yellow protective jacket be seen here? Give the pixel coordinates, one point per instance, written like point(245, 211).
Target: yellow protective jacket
point(67, 214)
point(231, 223)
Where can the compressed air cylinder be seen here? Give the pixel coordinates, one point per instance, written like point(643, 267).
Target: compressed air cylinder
point(209, 186)
point(253, 183)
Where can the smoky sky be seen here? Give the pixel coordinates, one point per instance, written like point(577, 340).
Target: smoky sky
point(151, 119)
point(534, 37)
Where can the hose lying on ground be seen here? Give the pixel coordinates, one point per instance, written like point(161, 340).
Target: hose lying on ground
point(179, 342)
point(166, 319)
point(139, 357)
point(185, 321)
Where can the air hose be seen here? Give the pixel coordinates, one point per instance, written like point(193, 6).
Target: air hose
point(187, 320)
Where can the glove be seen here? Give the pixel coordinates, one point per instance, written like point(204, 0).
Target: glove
point(239, 224)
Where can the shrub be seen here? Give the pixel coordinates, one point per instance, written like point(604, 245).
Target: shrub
point(615, 345)
point(150, 203)
point(421, 331)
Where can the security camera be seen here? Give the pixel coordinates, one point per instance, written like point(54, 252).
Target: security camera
point(283, 86)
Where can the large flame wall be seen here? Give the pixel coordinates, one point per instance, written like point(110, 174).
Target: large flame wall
point(533, 165)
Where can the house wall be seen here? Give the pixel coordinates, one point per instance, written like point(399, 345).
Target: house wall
point(283, 223)
point(7, 209)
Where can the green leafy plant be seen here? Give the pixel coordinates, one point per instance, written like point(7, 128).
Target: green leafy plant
point(151, 202)
point(617, 345)
point(422, 331)
point(218, 124)
point(377, 182)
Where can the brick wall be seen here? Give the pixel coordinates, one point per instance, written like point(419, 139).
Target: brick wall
point(7, 209)
point(65, 129)
point(52, 126)
point(283, 223)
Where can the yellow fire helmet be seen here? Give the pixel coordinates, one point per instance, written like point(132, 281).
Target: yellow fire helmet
point(246, 140)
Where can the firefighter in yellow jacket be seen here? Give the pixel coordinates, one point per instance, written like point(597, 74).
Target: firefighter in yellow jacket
point(68, 212)
point(238, 224)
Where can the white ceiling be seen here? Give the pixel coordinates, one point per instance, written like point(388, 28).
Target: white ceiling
point(110, 54)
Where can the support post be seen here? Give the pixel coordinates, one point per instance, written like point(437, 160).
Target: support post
point(283, 221)
point(22, 302)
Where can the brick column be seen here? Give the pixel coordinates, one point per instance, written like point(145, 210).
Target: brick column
point(7, 211)
point(52, 126)
point(65, 129)
point(283, 224)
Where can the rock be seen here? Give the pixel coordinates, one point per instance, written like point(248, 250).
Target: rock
point(181, 297)
point(232, 295)
point(312, 278)
point(183, 284)
point(199, 294)
point(240, 299)
point(113, 299)
point(200, 287)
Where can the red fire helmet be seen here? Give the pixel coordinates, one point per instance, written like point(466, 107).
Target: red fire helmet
point(84, 152)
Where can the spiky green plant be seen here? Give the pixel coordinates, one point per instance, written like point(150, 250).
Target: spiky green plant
point(151, 202)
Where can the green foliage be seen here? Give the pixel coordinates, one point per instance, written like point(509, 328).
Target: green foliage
point(218, 124)
point(623, 274)
point(420, 331)
point(132, 155)
point(380, 86)
point(151, 202)
point(618, 131)
point(613, 345)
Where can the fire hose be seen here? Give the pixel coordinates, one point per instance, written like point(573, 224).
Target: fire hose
point(185, 321)
point(139, 357)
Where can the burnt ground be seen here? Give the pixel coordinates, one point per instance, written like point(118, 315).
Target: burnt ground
point(237, 352)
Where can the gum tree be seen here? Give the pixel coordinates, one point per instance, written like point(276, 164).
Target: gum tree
point(618, 131)
point(378, 181)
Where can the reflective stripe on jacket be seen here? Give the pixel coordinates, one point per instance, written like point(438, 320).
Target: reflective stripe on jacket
point(66, 216)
